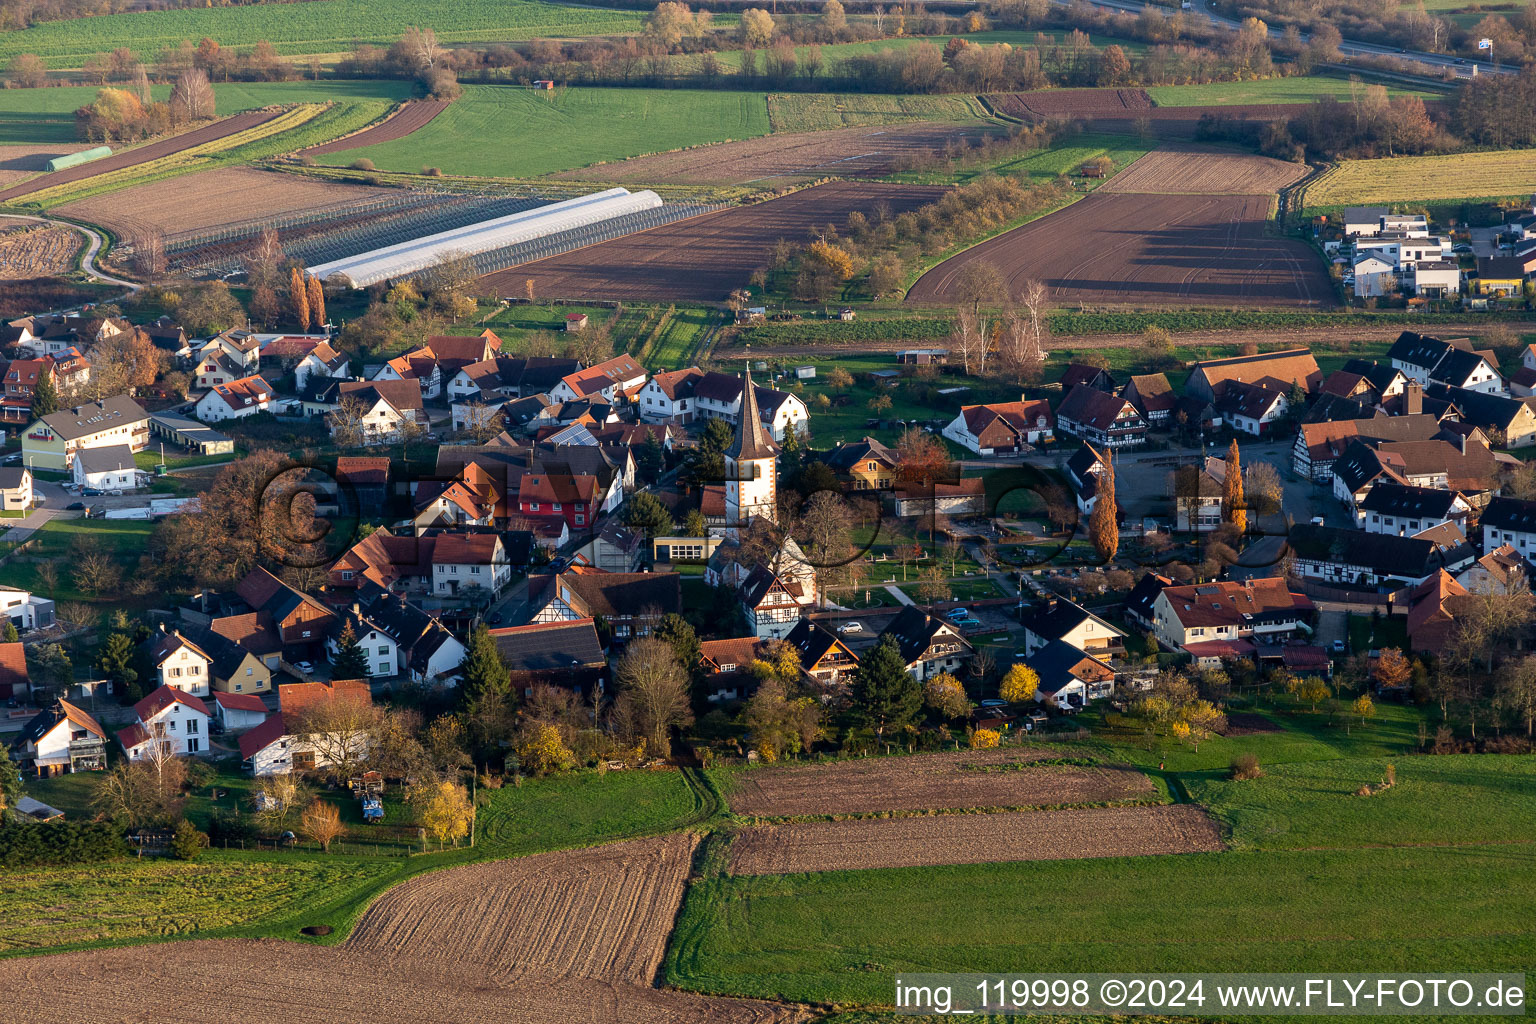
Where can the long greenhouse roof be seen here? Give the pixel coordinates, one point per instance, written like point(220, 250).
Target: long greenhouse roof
point(404, 259)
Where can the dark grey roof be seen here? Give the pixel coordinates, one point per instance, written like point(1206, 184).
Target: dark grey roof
point(1477, 407)
point(1054, 663)
point(93, 417)
point(550, 647)
point(915, 630)
point(1510, 514)
point(1391, 499)
point(812, 641)
point(752, 440)
point(1418, 349)
point(1052, 622)
point(11, 477)
point(1381, 553)
point(105, 459)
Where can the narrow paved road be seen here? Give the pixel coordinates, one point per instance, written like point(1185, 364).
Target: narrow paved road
point(93, 244)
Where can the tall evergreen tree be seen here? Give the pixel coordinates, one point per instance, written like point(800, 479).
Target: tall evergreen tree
point(885, 696)
point(116, 662)
point(485, 674)
point(316, 296)
point(298, 294)
point(45, 397)
point(10, 784)
point(349, 661)
point(9, 633)
point(1234, 505)
point(652, 458)
point(1104, 521)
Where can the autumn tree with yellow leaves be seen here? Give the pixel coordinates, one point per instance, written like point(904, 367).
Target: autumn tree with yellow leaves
point(1234, 507)
point(1104, 521)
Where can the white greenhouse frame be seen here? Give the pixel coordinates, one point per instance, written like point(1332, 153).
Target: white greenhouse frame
point(405, 259)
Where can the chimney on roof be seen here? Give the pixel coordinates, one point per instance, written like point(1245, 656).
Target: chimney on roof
point(1413, 398)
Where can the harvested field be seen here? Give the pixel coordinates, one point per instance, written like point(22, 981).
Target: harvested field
point(1130, 250)
point(795, 156)
point(208, 199)
point(154, 151)
point(257, 982)
point(972, 839)
point(24, 161)
point(950, 780)
point(602, 913)
point(406, 119)
point(1073, 102)
point(701, 258)
point(1450, 176)
point(1197, 170)
point(1104, 113)
point(30, 250)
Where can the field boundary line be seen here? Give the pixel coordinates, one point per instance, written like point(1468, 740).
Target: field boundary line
point(757, 820)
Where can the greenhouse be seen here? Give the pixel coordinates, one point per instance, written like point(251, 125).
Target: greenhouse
point(405, 259)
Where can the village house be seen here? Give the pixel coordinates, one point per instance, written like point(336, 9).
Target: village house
point(322, 361)
point(514, 376)
point(725, 664)
point(229, 356)
point(1250, 408)
point(1084, 375)
point(180, 664)
point(1452, 363)
point(15, 488)
point(631, 603)
point(300, 622)
point(387, 561)
point(52, 441)
point(235, 400)
point(18, 382)
point(1510, 521)
point(928, 645)
point(1097, 417)
point(379, 649)
point(15, 680)
point(1278, 371)
point(865, 465)
point(773, 603)
point(614, 548)
point(609, 380)
point(825, 660)
point(1152, 396)
point(426, 651)
point(1432, 609)
point(1003, 428)
point(62, 739)
point(1212, 621)
point(567, 654)
point(575, 499)
point(108, 468)
point(1404, 511)
point(171, 719)
point(439, 361)
point(1500, 571)
point(966, 497)
point(1508, 422)
point(668, 396)
point(1070, 623)
point(25, 609)
point(1343, 557)
point(1196, 493)
point(1069, 676)
point(1084, 468)
point(463, 560)
point(376, 412)
point(1319, 445)
point(236, 712)
point(275, 747)
point(718, 396)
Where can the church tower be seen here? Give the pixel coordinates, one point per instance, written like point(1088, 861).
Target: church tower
point(751, 465)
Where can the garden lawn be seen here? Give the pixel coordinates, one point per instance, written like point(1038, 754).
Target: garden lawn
point(508, 131)
point(126, 539)
point(1299, 89)
point(838, 937)
point(1460, 799)
point(219, 894)
point(320, 26)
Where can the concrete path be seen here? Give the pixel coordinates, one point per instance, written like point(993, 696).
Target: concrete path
point(900, 597)
point(25, 528)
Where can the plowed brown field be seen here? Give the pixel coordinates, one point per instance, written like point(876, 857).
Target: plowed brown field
point(153, 151)
point(972, 839)
point(1197, 170)
point(602, 913)
point(209, 198)
point(1132, 250)
point(795, 156)
point(1109, 111)
point(22, 161)
point(951, 780)
point(1073, 102)
point(701, 258)
point(406, 119)
point(272, 982)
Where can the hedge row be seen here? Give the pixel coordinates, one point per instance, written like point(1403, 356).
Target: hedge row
point(57, 843)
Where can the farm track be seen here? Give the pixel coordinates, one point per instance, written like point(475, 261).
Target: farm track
point(1148, 251)
point(701, 258)
point(154, 151)
point(407, 118)
point(972, 839)
point(950, 780)
point(236, 981)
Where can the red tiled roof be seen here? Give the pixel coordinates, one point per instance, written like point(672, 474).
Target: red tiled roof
point(739, 651)
point(264, 735)
point(550, 487)
point(244, 393)
point(163, 698)
point(239, 701)
point(13, 665)
point(465, 549)
point(1227, 602)
point(295, 697)
point(363, 469)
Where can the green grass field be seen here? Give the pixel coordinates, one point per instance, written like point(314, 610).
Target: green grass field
point(123, 538)
point(507, 131)
point(137, 900)
point(321, 26)
point(679, 342)
point(1454, 799)
point(1300, 89)
point(819, 111)
point(839, 937)
point(1417, 178)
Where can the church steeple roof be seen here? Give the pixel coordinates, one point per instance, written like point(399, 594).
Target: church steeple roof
point(752, 441)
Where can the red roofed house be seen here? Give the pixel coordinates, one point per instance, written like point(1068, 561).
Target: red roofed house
point(394, 563)
point(20, 381)
point(238, 710)
point(576, 499)
point(301, 622)
point(376, 411)
point(725, 664)
point(461, 560)
point(606, 379)
point(170, 718)
point(235, 400)
point(1276, 370)
point(1002, 427)
point(272, 748)
point(439, 360)
point(15, 681)
point(1432, 607)
point(1211, 621)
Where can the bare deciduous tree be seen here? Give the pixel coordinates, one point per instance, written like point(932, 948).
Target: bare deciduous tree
point(654, 689)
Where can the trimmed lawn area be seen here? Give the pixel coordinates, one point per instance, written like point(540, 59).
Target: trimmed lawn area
point(125, 539)
point(512, 132)
point(838, 937)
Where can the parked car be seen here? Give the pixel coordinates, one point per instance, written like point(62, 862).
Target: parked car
point(1339, 647)
point(78, 506)
point(969, 624)
point(495, 618)
point(304, 666)
point(959, 613)
point(91, 492)
point(13, 457)
point(851, 627)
